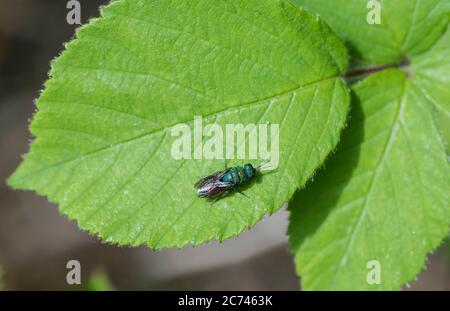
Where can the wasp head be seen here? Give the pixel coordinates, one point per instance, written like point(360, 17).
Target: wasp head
point(249, 170)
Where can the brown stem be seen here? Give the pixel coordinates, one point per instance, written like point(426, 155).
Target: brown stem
point(371, 70)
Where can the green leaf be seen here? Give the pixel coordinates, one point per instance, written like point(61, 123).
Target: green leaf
point(431, 75)
point(102, 147)
point(408, 27)
point(384, 194)
point(98, 281)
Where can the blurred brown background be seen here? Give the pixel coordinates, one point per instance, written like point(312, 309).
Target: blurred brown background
point(36, 241)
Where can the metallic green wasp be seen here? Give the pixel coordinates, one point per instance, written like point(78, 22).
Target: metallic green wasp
point(222, 183)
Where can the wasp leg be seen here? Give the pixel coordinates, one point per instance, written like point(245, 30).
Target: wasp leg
point(244, 194)
point(219, 197)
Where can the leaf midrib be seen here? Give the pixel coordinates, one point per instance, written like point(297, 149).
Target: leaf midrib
point(188, 121)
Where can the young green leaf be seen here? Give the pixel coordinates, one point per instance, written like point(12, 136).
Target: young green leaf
point(407, 28)
point(384, 194)
point(98, 282)
point(103, 130)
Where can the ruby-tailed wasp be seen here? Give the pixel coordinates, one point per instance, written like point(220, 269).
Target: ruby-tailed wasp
point(222, 183)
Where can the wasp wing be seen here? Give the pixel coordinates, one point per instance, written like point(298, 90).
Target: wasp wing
point(211, 186)
point(211, 179)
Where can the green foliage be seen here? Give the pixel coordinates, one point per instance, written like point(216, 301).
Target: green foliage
point(408, 27)
point(384, 194)
point(98, 281)
point(102, 147)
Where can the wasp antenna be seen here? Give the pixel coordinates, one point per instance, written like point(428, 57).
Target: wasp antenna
point(265, 166)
